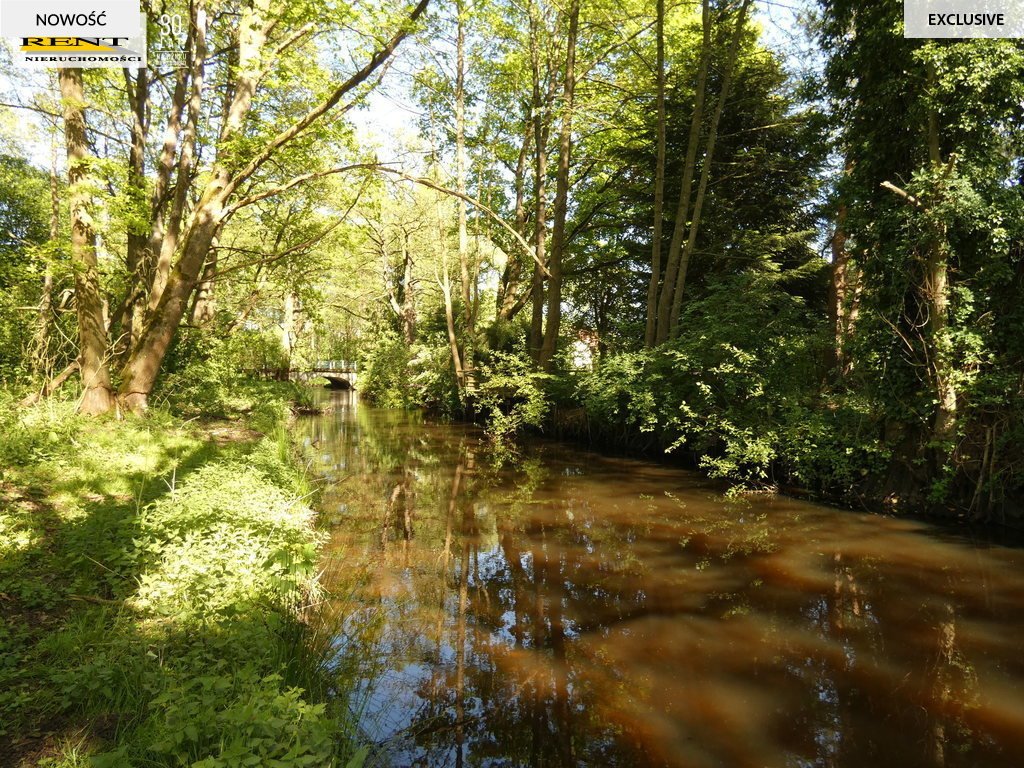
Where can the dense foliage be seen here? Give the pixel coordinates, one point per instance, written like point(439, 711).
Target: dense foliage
point(643, 220)
point(166, 575)
point(796, 263)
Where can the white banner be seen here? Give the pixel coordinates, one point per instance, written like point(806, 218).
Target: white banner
point(87, 18)
point(75, 33)
point(963, 18)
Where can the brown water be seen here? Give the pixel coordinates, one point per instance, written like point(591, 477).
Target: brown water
point(573, 609)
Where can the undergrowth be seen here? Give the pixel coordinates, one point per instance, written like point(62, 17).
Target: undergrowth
point(152, 592)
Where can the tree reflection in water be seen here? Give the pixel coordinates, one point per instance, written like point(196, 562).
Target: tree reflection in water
point(574, 609)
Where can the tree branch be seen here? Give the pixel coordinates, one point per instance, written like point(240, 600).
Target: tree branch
point(378, 58)
point(232, 209)
point(907, 197)
point(304, 245)
point(430, 184)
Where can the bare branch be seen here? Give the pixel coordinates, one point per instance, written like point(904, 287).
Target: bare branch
point(297, 248)
point(907, 197)
point(232, 209)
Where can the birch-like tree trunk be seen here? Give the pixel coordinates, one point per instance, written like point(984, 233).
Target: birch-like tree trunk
point(408, 311)
point(705, 171)
point(541, 105)
point(465, 271)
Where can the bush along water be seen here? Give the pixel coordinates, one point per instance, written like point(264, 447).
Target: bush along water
point(740, 392)
point(154, 586)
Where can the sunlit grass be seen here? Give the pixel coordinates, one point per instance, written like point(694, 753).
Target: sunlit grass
point(153, 591)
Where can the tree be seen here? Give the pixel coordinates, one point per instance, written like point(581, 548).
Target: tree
point(688, 218)
point(558, 234)
point(659, 179)
point(930, 198)
point(258, 42)
point(27, 248)
point(98, 395)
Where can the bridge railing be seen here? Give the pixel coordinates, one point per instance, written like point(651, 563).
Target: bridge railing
point(347, 366)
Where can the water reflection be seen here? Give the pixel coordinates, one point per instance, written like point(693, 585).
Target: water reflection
point(580, 610)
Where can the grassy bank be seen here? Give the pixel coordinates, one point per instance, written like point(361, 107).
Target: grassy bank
point(152, 577)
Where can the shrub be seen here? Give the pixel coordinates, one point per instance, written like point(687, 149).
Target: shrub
point(739, 389)
point(433, 378)
point(385, 376)
point(511, 395)
point(199, 374)
point(620, 397)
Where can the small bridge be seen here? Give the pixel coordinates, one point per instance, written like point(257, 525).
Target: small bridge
point(340, 374)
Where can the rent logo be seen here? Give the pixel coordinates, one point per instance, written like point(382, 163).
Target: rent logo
point(63, 33)
point(71, 44)
point(81, 52)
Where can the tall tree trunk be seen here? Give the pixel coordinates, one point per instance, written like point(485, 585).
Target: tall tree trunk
point(97, 396)
point(288, 327)
point(41, 341)
point(408, 293)
point(204, 308)
point(445, 282)
point(540, 140)
point(173, 223)
point(509, 284)
point(705, 171)
point(933, 296)
point(659, 182)
point(137, 242)
point(936, 294)
point(141, 370)
point(460, 181)
point(839, 294)
point(686, 191)
point(169, 151)
point(449, 316)
point(554, 319)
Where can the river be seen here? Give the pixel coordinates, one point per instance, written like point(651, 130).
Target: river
point(564, 608)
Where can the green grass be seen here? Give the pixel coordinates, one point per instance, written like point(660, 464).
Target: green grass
point(152, 587)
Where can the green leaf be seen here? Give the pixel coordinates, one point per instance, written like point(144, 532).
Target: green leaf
point(359, 758)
